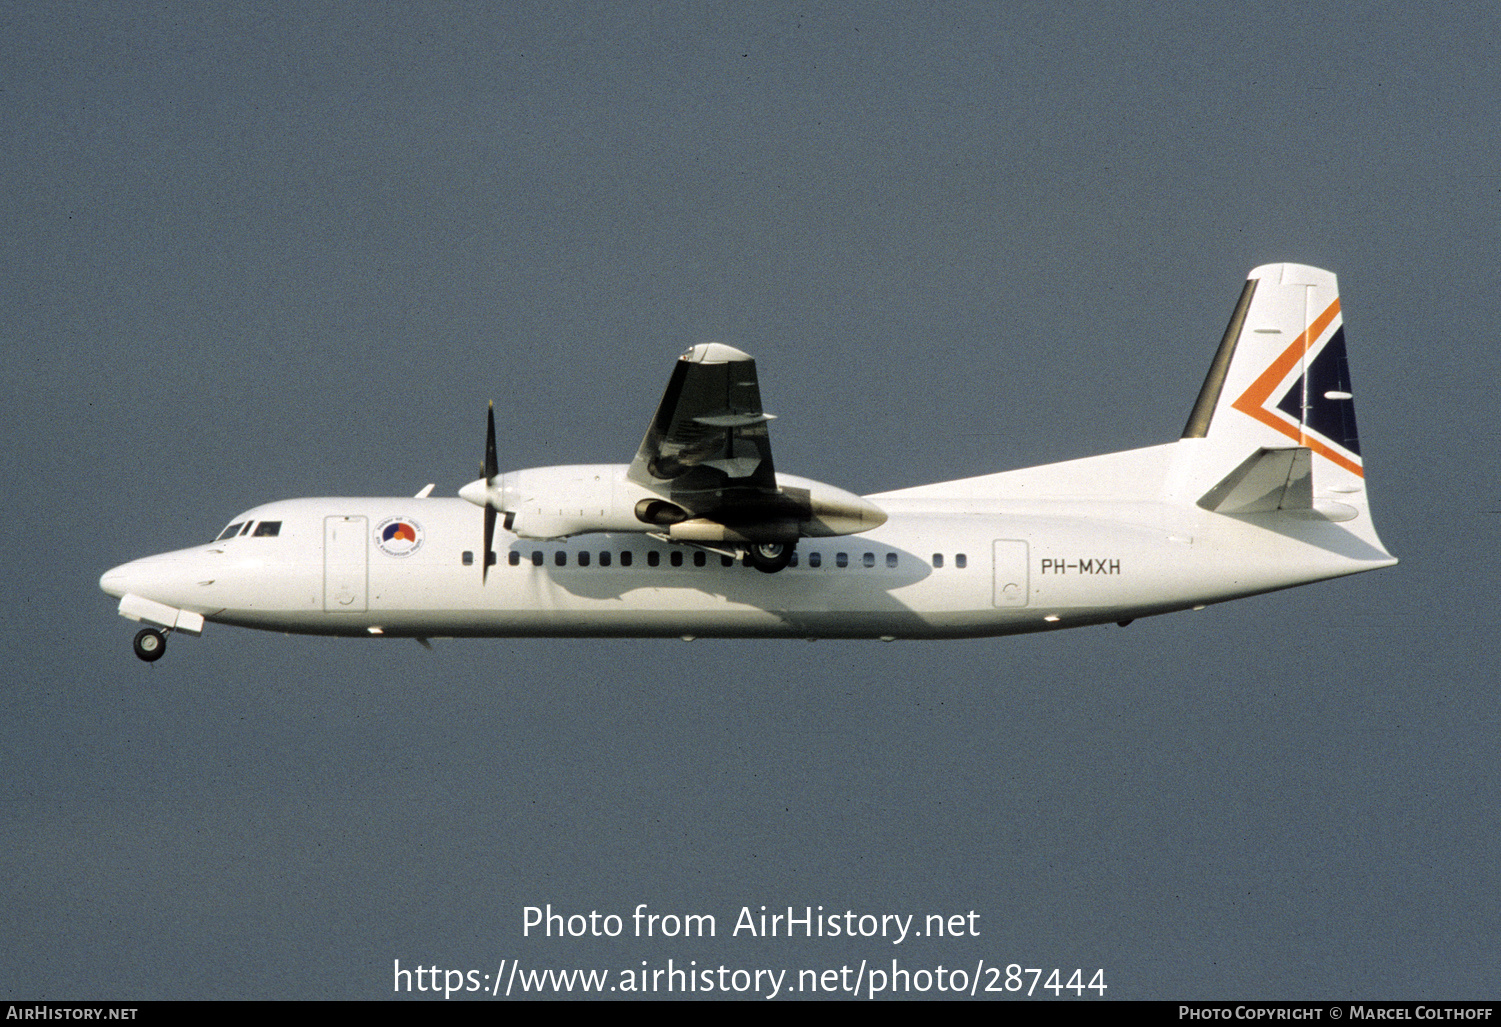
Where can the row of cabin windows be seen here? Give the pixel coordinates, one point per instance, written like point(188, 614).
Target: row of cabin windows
point(677, 557)
point(265, 529)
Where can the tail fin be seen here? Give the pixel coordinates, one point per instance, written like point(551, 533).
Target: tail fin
point(1274, 425)
point(1280, 373)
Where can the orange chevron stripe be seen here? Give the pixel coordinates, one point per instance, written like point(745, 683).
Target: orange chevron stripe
point(1253, 401)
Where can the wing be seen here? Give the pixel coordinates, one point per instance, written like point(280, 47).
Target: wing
point(707, 448)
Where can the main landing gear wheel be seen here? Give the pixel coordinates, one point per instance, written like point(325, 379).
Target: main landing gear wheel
point(770, 557)
point(150, 644)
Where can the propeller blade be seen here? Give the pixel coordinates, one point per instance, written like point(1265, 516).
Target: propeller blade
point(490, 469)
point(489, 539)
point(492, 466)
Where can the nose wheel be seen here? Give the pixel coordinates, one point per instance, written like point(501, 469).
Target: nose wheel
point(150, 644)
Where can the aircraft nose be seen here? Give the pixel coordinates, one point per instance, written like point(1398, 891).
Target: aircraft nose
point(115, 581)
point(162, 577)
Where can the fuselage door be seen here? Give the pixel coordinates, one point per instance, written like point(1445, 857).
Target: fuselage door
point(1010, 573)
point(346, 559)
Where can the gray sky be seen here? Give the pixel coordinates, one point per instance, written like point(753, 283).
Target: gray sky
point(260, 253)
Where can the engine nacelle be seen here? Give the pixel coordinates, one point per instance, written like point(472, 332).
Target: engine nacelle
point(824, 511)
point(555, 502)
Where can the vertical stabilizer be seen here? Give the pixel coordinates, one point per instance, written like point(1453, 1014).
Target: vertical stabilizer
point(1279, 384)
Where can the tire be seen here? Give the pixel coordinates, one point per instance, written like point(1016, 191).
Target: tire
point(770, 557)
point(150, 644)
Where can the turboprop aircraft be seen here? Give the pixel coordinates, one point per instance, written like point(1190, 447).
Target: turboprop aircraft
point(701, 536)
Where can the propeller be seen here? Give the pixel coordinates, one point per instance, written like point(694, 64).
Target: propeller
point(478, 492)
point(491, 469)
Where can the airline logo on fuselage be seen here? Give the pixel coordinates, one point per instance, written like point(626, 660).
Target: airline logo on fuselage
point(398, 536)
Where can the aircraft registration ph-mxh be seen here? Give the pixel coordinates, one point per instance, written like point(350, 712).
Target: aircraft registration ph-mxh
point(700, 535)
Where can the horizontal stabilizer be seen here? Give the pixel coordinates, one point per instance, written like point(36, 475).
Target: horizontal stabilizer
point(1268, 480)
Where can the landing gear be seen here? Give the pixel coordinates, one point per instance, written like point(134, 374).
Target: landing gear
point(150, 644)
point(770, 557)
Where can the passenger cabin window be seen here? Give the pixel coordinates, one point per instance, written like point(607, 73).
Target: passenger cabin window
point(267, 529)
point(937, 559)
point(676, 557)
point(961, 561)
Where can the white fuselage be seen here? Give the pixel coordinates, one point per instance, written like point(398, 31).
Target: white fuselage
point(933, 570)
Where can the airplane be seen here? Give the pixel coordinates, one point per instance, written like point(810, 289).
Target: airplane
point(700, 536)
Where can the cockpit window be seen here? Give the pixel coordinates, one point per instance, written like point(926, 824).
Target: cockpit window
point(246, 530)
point(267, 529)
point(230, 532)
